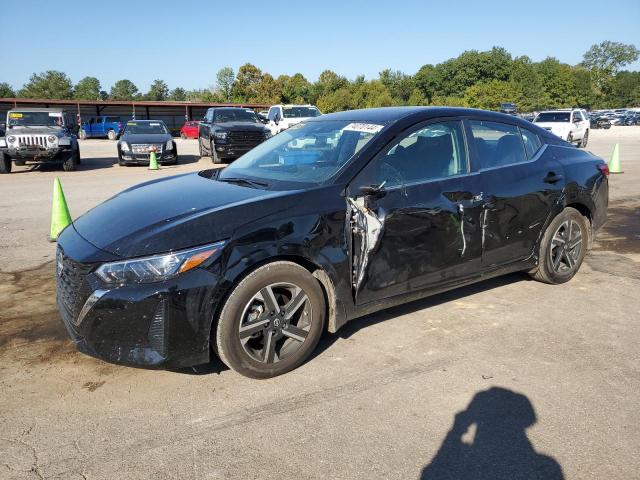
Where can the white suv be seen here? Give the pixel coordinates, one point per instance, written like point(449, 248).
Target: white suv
point(281, 117)
point(572, 125)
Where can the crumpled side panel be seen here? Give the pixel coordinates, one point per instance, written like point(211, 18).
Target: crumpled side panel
point(367, 227)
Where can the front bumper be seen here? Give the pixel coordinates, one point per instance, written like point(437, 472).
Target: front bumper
point(159, 325)
point(229, 150)
point(38, 154)
point(143, 158)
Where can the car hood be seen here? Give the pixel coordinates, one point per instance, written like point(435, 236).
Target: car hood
point(554, 126)
point(36, 130)
point(146, 137)
point(296, 120)
point(242, 126)
point(175, 213)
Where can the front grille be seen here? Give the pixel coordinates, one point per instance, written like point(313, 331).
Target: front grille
point(144, 147)
point(246, 138)
point(72, 287)
point(32, 141)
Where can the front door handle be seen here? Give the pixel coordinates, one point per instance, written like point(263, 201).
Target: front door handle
point(552, 178)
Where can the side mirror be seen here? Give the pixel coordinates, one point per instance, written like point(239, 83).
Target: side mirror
point(374, 191)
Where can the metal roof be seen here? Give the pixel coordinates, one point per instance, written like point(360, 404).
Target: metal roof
point(142, 103)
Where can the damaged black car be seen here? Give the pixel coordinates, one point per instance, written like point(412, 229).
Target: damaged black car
point(330, 220)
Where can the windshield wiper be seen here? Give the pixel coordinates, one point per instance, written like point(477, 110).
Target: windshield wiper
point(244, 181)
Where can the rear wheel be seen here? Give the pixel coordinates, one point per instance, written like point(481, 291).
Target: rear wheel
point(585, 139)
point(200, 149)
point(271, 322)
point(562, 248)
point(83, 134)
point(5, 163)
point(111, 135)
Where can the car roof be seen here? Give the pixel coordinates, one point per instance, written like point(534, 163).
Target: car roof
point(145, 121)
point(393, 114)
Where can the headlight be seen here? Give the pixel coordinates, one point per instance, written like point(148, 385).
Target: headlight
point(51, 138)
point(221, 135)
point(124, 146)
point(157, 267)
point(169, 145)
point(11, 139)
point(267, 134)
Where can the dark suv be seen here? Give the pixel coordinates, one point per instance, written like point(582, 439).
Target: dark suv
point(226, 133)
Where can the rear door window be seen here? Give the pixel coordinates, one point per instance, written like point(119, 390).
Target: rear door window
point(531, 141)
point(497, 144)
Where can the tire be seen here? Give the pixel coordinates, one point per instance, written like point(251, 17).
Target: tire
point(5, 163)
point(111, 135)
point(215, 158)
point(120, 162)
point(71, 163)
point(585, 139)
point(183, 136)
point(200, 151)
point(553, 244)
point(570, 138)
point(293, 334)
point(82, 134)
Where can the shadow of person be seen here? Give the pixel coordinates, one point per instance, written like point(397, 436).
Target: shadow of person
point(488, 441)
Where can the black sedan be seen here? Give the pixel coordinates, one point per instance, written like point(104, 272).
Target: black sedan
point(141, 137)
point(330, 220)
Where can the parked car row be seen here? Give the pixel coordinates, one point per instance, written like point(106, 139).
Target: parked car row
point(571, 125)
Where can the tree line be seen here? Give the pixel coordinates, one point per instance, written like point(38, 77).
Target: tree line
point(478, 79)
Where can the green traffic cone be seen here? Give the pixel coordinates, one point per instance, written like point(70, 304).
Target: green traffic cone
point(153, 161)
point(614, 163)
point(60, 216)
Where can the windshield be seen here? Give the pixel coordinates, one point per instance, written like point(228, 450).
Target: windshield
point(145, 127)
point(235, 115)
point(50, 119)
point(553, 117)
point(305, 154)
point(300, 112)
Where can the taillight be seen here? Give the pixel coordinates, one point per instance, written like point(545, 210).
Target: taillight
point(604, 169)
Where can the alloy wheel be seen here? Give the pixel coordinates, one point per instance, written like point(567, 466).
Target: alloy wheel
point(566, 246)
point(275, 322)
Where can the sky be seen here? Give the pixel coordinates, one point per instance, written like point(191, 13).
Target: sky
point(186, 42)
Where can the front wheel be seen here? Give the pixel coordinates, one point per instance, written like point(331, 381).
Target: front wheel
point(111, 135)
point(215, 158)
point(71, 163)
point(83, 134)
point(562, 248)
point(183, 136)
point(5, 163)
point(271, 322)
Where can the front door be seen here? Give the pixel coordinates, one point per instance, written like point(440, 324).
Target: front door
point(521, 183)
point(421, 228)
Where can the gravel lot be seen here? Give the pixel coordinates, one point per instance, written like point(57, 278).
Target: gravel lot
point(509, 371)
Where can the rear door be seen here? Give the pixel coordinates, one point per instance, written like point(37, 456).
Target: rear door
point(421, 229)
point(98, 127)
point(521, 182)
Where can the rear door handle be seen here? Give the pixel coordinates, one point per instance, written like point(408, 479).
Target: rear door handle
point(552, 178)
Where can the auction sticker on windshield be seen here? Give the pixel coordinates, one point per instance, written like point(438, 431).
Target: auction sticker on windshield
point(55, 114)
point(15, 115)
point(363, 127)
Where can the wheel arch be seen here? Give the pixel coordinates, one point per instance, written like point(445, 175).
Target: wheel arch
point(335, 312)
point(586, 212)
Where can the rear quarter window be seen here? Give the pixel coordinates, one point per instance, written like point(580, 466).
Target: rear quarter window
point(532, 143)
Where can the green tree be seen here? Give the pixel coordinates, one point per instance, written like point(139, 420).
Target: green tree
point(399, 84)
point(87, 89)
point(158, 91)
point(49, 84)
point(178, 94)
point(489, 95)
point(606, 58)
point(246, 82)
point(295, 89)
point(123, 90)
point(224, 82)
point(6, 91)
point(624, 91)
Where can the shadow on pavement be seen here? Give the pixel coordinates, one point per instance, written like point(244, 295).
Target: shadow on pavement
point(488, 440)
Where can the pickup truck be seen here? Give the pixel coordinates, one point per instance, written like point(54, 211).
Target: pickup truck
point(101, 127)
